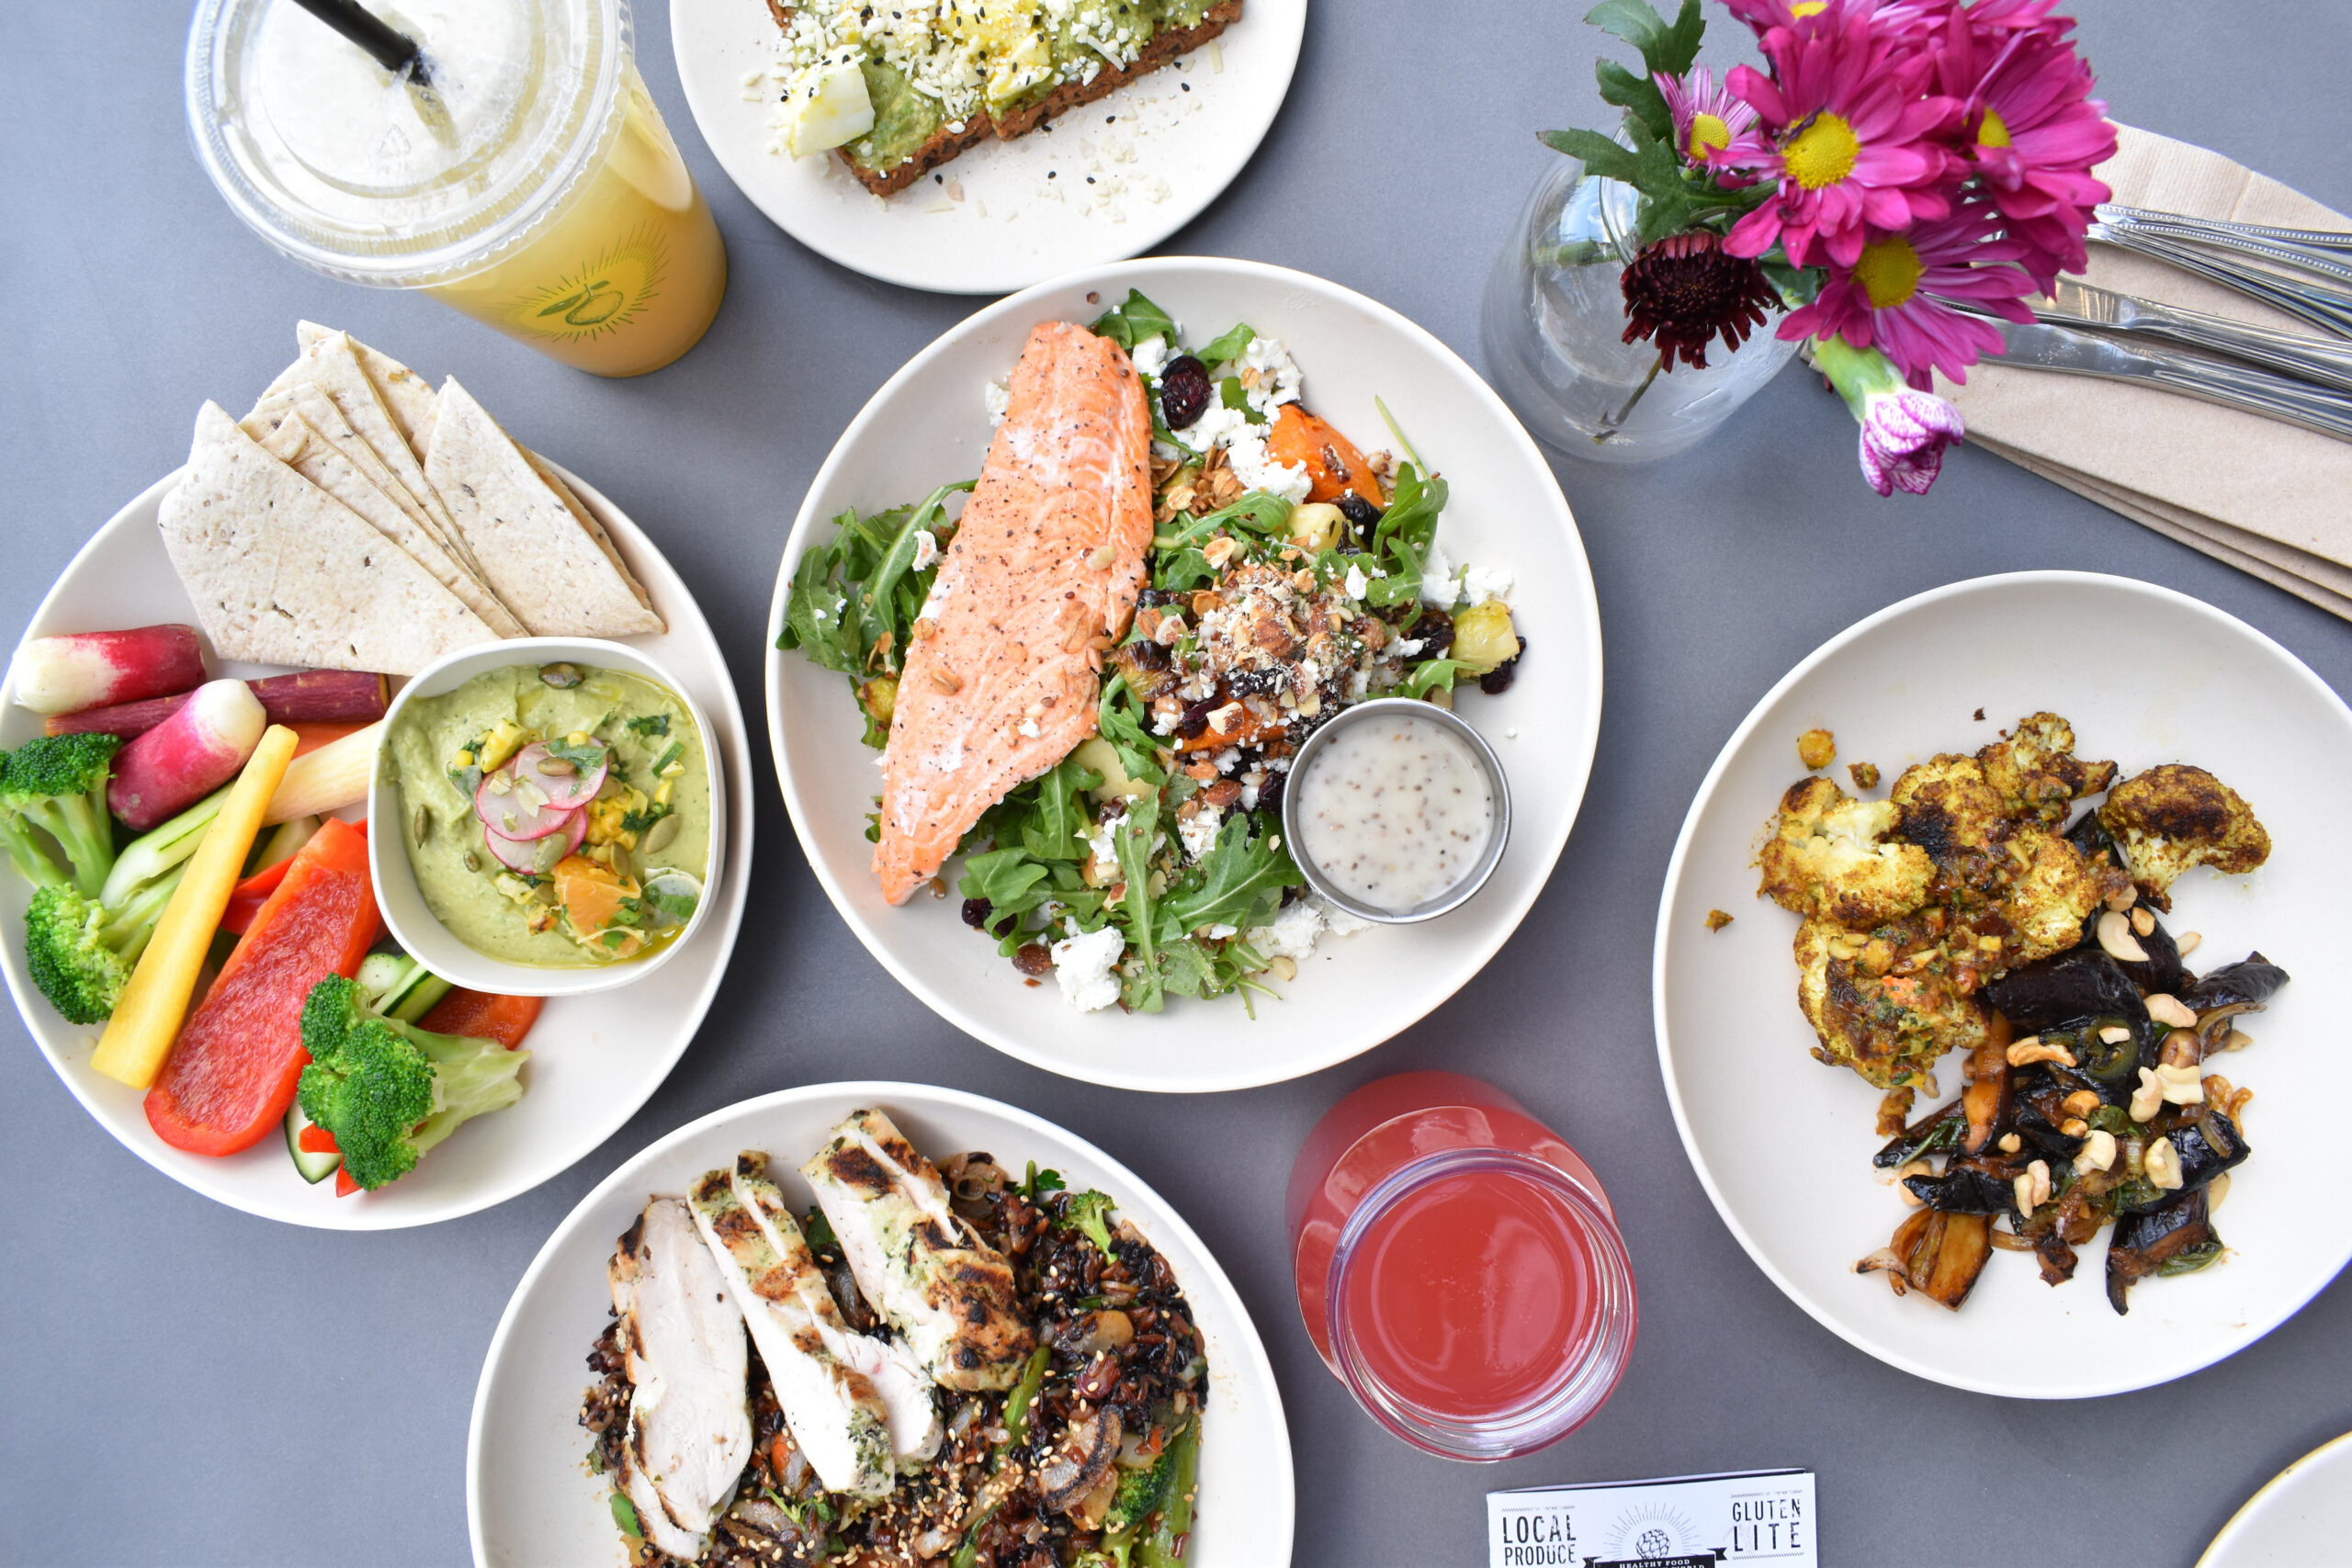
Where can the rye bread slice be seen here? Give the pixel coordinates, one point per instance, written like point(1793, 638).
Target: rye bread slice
point(946, 145)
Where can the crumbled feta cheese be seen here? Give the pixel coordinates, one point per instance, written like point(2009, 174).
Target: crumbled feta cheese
point(993, 398)
point(1199, 831)
point(1082, 965)
point(1407, 647)
point(1219, 931)
point(1291, 935)
point(1027, 728)
point(926, 548)
point(1357, 582)
point(1480, 584)
point(1151, 356)
point(1278, 377)
point(1102, 843)
point(1338, 921)
point(1246, 454)
point(1438, 574)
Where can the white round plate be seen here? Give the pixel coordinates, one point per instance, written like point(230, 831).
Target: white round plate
point(926, 426)
point(2301, 1517)
point(529, 1495)
point(1783, 1143)
point(1126, 172)
point(593, 1059)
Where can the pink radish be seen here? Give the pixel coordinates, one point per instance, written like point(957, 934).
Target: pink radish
point(538, 856)
point(87, 670)
point(564, 790)
point(307, 696)
point(187, 756)
point(519, 810)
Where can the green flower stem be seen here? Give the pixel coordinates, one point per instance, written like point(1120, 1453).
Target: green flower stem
point(1856, 373)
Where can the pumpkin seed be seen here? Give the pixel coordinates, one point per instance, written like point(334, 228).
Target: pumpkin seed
point(659, 836)
point(423, 823)
point(560, 676)
point(473, 861)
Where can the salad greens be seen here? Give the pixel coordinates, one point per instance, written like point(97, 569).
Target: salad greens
point(1087, 844)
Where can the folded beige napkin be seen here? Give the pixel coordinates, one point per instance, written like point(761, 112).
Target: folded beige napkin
point(2266, 497)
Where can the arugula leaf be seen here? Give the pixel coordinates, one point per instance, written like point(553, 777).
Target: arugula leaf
point(1007, 878)
point(1231, 346)
point(1401, 542)
point(1666, 46)
point(1232, 395)
point(1260, 511)
point(1055, 826)
point(1433, 674)
point(1182, 569)
point(1240, 875)
point(1134, 320)
point(879, 617)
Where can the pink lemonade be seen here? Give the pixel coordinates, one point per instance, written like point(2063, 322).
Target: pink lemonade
point(1458, 1267)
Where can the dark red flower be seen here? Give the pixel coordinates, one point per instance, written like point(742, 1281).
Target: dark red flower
point(1686, 290)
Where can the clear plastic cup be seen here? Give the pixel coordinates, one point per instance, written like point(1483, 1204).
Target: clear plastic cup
point(532, 185)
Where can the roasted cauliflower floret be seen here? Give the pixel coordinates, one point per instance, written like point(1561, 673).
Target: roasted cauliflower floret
point(1946, 807)
point(1883, 1002)
point(2035, 771)
point(2174, 817)
point(2052, 893)
point(1828, 857)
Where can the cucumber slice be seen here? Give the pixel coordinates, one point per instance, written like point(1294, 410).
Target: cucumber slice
point(315, 1168)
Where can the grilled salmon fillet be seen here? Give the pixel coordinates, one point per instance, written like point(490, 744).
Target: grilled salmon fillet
point(1001, 680)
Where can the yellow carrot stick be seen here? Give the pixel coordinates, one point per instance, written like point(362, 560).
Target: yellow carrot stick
point(154, 1001)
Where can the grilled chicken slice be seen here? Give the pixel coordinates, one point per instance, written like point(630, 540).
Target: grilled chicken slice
point(907, 1402)
point(923, 1268)
point(689, 1418)
point(835, 1414)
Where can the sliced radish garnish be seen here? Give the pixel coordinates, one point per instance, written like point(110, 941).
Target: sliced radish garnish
point(564, 790)
point(538, 856)
point(517, 808)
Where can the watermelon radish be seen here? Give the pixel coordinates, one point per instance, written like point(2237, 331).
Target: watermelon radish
point(564, 789)
point(514, 807)
point(536, 857)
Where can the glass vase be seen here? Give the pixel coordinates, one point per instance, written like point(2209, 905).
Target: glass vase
point(1554, 328)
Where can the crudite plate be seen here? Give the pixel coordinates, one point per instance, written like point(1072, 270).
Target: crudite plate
point(1783, 1143)
point(928, 425)
point(615, 1047)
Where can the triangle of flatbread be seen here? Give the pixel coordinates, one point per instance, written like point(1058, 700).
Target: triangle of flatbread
point(310, 454)
point(549, 563)
point(334, 369)
point(283, 573)
point(290, 398)
point(408, 397)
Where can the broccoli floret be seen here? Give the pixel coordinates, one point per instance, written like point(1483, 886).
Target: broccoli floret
point(1090, 1211)
point(58, 784)
point(387, 1090)
point(80, 951)
point(1828, 857)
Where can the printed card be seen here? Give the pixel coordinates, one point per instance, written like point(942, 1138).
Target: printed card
point(1688, 1521)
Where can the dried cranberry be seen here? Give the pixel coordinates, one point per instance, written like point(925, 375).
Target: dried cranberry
point(1197, 717)
point(1361, 513)
point(1496, 682)
point(1034, 958)
point(977, 912)
point(1270, 798)
point(1183, 391)
point(1152, 596)
point(1435, 630)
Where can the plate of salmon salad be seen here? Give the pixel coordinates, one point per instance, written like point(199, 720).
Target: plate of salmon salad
point(875, 1324)
point(1073, 592)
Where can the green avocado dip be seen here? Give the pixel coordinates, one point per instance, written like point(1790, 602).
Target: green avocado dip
point(513, 851)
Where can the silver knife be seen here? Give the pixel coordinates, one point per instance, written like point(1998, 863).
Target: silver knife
point(2325, 361)
point(2040, 346)
point(2327, 308)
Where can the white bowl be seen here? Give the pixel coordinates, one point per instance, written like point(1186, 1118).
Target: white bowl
point(1782, 1144)
point(531, 1500)
point(412, 921)
point(927, 425)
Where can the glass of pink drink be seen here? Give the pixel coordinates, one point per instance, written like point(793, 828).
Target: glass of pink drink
point(1458, 1267)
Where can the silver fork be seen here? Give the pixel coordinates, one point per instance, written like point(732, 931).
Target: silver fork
point(2323, 251)
point(2323, 361)
point(2325, 308)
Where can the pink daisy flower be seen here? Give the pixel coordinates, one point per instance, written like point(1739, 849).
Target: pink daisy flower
point(1893, 297)
point(1707, 118)
point(2032, 132)
point(1905, 17)
point(1850, 142)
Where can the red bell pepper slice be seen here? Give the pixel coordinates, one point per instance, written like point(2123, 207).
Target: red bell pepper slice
point(232, 1071)
point(246, 899)
point(484, 1015)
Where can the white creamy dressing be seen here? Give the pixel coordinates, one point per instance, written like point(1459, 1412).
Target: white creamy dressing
point(1394, 810)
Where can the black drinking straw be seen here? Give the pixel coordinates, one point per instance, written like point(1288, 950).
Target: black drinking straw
point(393, 50)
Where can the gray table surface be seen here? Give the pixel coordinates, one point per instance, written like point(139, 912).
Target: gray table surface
point(198, 1386)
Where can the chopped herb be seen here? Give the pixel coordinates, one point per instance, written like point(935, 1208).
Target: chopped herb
point(624, 1516)
point(1041, 1183)
point(817, 1230)
point(677, 749)
point(652, 724)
